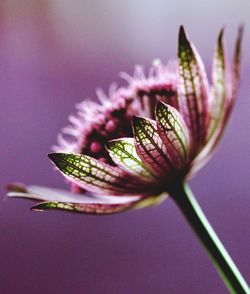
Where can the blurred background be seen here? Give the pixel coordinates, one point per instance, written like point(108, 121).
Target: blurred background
point(54, 54)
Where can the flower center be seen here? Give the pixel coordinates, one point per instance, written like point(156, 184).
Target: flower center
point(95, 125)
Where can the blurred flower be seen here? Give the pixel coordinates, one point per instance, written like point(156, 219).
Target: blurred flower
point(142, 139)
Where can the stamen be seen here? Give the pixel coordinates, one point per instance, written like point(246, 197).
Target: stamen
point(95, 147)
point(110, 126)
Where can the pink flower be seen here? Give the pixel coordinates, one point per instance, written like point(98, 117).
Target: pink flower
point(141, 139)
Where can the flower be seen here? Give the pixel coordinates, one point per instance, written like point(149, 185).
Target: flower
point(141, 139)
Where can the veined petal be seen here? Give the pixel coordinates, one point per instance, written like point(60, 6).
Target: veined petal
point(94, 175)
point(193, 90)
point(230, 86)
point(150, 147)
point(64, 200)
point(102, 208)
point(123, 153)
point(88, 204)
point(236, 65)
point(93, 208)
point(219, 92)
point(173, 132)
point(223, 97)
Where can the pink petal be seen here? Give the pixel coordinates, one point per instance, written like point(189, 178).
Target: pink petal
point(223, 97)
point(102, 208)
point(60, 199)
point(150, 147)
point(236, 67)
point(193, 90)
point(173, 132)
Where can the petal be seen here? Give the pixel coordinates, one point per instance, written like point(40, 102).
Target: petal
point(95, 176)
point(230, 84)
point(123, 153)
point(94, 208)
point(219, 92)
point(173, 132)
point(52, 194)
point(150, 147)
point(64, 200)
point(223, 97)
point(102, 209)
point(45, 194)
point(193, 90)
point(88, 204)
point(236, 65)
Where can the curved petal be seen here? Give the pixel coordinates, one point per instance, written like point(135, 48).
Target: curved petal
point(236, 68)
point(150, 147)
point(93, 208)
point(123, 153)
point(99, 208)
point(57, 195)
point(64, 200)
point(95, 176)
point(173, 132)
point(192, 90)
point(223, 97)
point(220, 90)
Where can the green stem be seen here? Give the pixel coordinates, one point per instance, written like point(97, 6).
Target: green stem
point(227, 269)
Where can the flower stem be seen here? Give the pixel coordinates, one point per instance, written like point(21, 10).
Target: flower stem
point(227, 269)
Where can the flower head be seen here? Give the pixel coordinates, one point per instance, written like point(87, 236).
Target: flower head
point(134, 144)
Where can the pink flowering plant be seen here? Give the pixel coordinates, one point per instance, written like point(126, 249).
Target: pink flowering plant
point(142, 143)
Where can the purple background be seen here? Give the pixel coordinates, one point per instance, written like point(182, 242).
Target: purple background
point(54, 54)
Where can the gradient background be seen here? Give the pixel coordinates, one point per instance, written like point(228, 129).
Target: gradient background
point(54, 54)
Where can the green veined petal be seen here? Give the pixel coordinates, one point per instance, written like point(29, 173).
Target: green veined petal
point(94, 175)
point(219, 91)
point(173, 132)
point(237, 62)
point(193, 90)
point(123, 153)
point(65, 200)
point(150, 147)
point(223, 96)
point(93, 208)
point(100, 208)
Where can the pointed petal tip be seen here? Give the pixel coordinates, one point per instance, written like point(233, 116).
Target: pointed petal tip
point(109, 145)
point(240, 32)
point(53, 156)
point(136, 120)
point(139, 121)
point(112, 143)
point(181, 30)
point(161, 104)
point(40, 207)
point(182, 35)
point(15, 187)
point(221, 34)
point(57, 158)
